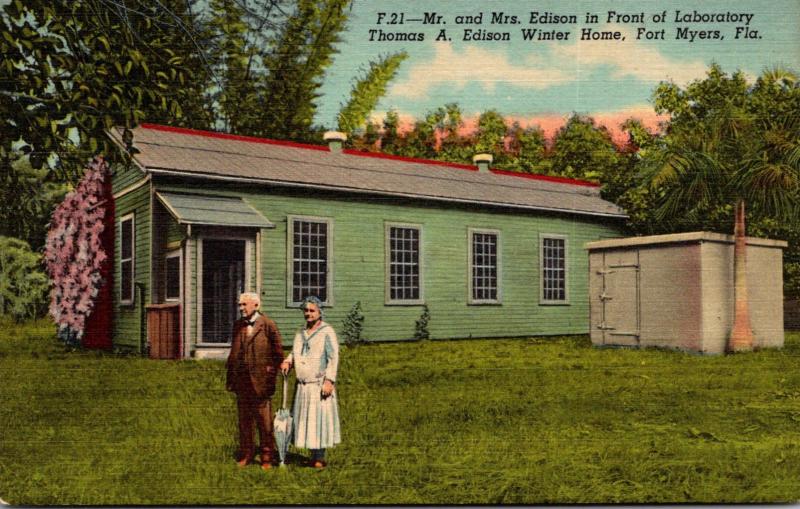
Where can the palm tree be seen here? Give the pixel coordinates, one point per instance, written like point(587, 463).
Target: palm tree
point(740, 149)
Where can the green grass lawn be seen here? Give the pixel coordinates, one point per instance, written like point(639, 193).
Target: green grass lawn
point(481, 421)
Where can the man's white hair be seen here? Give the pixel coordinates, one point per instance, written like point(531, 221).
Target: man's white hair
point(250, 296)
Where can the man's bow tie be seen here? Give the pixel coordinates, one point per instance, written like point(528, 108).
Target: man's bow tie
point(250, 323)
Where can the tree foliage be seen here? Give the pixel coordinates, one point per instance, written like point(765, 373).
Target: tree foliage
point(390, 136)
point(527, 148)
point(28, 196)
point(72, 69)
point(367, 91)
point(580, 149)
point(300, 52)
point(23, 284)
point(583, 150)
point(233, 89)
point(728, 143)
point(491, 135)
point(727, 140)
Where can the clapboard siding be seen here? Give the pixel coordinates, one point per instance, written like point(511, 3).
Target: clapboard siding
point(167, 237)
point(359, 264)
point(125, 176)
point(128, 321)
point(174, 231)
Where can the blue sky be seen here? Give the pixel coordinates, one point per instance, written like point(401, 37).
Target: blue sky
point(551, 79)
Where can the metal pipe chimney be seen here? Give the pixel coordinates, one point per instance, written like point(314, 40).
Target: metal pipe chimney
point(483, 161)
point(335, 140)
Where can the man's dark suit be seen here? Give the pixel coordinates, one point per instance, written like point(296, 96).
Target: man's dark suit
point(253, 365)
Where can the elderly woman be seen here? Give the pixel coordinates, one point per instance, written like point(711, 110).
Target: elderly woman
point(315, 358)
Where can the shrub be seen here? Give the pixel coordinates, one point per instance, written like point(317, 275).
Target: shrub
point(74, 253)
point(353, 325)
point(23, 284)
point(791, 280)
point(421, 327)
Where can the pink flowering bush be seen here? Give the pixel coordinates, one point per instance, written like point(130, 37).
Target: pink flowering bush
point(74, 252)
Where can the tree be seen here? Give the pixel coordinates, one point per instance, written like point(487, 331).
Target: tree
point(72, 69)
point(438, 136)
point(453, 146)
point(490, 136)
point(28, 196)
point(730, 144)
point(621, 184)
point(300, 53)
point(527, 149)
point(423, 139)
point(366, 140)
point(390, 135)
point(23, 285)
point(367, 91)
point(583, 150)
point(233, 89)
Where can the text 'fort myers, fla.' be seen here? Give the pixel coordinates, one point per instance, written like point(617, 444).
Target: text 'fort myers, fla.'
point(690, 26)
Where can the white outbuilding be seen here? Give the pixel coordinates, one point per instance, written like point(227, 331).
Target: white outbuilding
point(676, 291)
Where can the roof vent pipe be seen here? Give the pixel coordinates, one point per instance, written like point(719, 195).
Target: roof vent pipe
point(335, 140)
point(482, 161)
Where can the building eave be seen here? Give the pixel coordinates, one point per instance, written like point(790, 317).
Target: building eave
point(116, 139)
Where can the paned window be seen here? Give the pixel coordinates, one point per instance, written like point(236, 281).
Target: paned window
point(553, 269)
point(484, 267)
point(310, 259)
point(172, 269)
point(126, 250)
point(403, 248)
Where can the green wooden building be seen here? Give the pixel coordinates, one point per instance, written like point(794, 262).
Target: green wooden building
point(201, 217)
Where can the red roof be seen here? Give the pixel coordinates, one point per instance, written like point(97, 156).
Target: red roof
point(377, 155)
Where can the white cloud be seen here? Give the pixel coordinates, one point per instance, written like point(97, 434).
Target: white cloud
point(458, 68)
point(630, 58)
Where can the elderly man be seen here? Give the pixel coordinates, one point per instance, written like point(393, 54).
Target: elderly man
point(255, 357)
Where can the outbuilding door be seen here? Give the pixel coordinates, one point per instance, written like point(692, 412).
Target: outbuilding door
point(619, 321)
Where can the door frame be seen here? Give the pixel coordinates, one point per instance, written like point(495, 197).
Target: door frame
point(249, 243)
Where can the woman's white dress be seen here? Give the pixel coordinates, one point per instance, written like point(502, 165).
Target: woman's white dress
point(315, 357)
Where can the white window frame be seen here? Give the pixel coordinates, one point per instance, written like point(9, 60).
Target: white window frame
point(128, 299)
point(388, 265)
point(290, 219)
point(498, 267)
point(542, 300)
point(176, 253)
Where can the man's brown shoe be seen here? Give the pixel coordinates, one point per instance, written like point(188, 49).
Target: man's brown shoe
point(318, 464)
point(244, 462)
point(266, 466)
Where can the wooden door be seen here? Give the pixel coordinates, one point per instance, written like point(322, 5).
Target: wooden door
point(164, 330)
point(620, 298)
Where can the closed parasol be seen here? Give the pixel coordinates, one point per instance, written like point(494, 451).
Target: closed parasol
point(283, 426)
